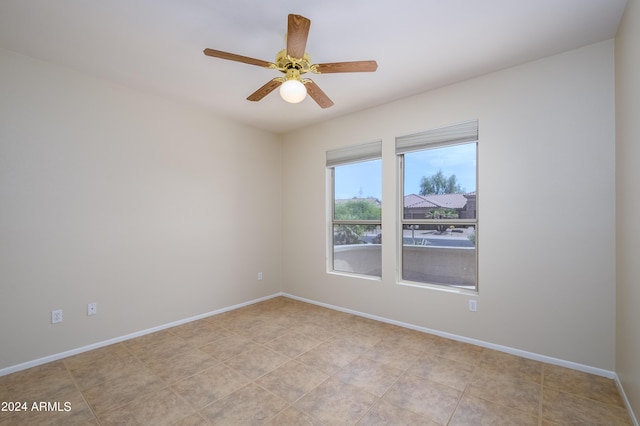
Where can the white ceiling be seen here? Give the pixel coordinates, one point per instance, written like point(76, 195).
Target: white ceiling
point(156, 45)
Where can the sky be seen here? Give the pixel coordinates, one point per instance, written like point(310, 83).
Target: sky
point(365, 179)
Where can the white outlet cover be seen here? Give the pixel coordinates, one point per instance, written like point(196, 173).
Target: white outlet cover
point(92, 308)
point(56, 316)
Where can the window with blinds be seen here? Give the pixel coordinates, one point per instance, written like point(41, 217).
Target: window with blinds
point(355, 223)
point(438, 206)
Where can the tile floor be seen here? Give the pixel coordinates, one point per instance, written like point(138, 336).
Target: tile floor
point(285, 362)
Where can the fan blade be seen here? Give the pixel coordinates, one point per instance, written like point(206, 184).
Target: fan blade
point(356, 66)
point(318, 95)
point(297, 33)
point(238, 58)
point(265, 90)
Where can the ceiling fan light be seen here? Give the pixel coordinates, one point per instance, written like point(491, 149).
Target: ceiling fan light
point(293, 91)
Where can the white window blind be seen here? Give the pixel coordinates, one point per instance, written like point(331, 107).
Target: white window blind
point(457, 133)
point(354, 153)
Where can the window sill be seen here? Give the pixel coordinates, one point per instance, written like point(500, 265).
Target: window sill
point(439, 287)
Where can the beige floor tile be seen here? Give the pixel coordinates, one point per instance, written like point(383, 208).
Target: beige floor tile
point(425, 397)
point(151, 339)
point(238, 321)
point(250, 405)
point(370, 327)
point(263, 332)
point(293, 344)
point(213, 320)
point(184, 364)
point(200, 333)
point(286, 362)
point(66, 409)
point(356, 342)
point(334, 318)
point(284, 304)
point(310, 315)
point(229, 347)
point(291, 416)
point(442, 370)
point(564, 408)
point(113, 394)
point(369, 375)
point(162, 407)
point(210, 385)
point(40, 372)
point(292, 380)
point(456, 351)
point(507, 391)
point(409, 340)
point(583, 384)
point(336, 403)
point(286, 320)
point(474, 411)
point(277, 319)
point(515, 366)
point(328, 357)
point(117, 350)
point(194, 419)
point(388, 352)
point(256, 362)
point(42, 383)
point(170, 345)
point(315, 330)
point(384, 413)
point(113, 366)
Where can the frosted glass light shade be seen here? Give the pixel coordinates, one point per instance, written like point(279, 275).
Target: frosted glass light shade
point(293, 91)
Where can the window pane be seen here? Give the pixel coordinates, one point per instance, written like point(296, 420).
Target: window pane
point(439, 254)
point(356, 234)
point(358, 191)
point(356, 249)
point(440, 189)
point(440, 183)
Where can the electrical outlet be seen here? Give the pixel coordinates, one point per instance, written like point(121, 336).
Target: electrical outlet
point(473, 305)
point(259, 276)
point(92, 308)
point(56, 316)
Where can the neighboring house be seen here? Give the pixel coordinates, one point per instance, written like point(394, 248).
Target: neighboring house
point(424, 206)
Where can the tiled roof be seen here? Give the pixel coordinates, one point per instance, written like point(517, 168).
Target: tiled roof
point(413, 201)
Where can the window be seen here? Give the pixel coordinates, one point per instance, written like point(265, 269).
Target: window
point(355, 226)
point(439, 220)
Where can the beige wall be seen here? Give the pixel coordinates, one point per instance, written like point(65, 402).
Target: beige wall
point(155, 210)
point(628, 203)
point(546, 194)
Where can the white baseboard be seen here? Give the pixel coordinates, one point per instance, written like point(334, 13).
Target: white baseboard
point(634, 419)
point(55, 357)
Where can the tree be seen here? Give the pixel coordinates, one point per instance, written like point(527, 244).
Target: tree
point(347, 234)
point(355, 209)
point(439, 184)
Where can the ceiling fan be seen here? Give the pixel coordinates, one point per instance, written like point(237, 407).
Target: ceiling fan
point(293, 61)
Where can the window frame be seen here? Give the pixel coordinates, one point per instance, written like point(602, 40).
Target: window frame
point(455, 135)
point(339, 157)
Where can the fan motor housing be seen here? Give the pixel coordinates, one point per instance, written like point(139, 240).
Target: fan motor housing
point(285, 62)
